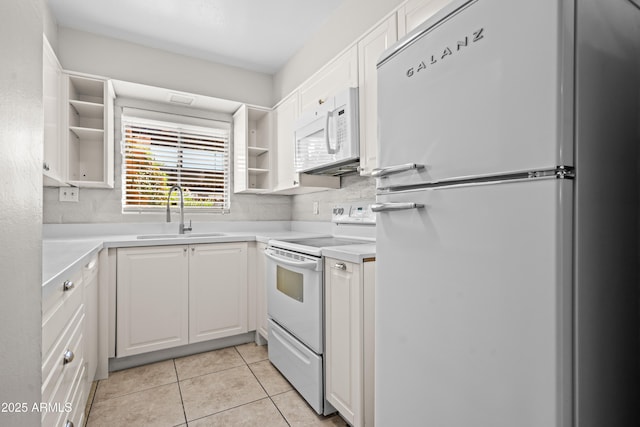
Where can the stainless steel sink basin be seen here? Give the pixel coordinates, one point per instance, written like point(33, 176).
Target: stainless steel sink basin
point(206, 234)
point(177, 236)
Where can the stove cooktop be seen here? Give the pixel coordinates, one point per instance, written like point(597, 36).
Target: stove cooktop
point(323, 242)
point(314, 245)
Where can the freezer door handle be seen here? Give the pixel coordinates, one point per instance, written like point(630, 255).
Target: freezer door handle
point(385, 207)
point(379, 173)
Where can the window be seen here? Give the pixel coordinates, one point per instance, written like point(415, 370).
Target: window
point(157, 154)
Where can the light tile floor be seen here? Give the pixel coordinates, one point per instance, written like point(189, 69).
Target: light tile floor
point(235, 386)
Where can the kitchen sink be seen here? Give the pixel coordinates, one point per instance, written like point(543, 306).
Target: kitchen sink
point(178, 236)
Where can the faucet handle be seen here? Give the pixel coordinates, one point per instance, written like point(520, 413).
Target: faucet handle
point(188, 228)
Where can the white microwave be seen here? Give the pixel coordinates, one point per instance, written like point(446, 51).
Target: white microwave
point(326, 138)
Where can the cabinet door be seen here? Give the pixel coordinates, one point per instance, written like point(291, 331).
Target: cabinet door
point(217, 291)
point(339, 74)
point(152, 299)
point(286, 115)
point(240, 135)
point(369, 50)
point(344, 338)
point(415, 12)
point(90, 279)
point(261, 291)
point(53, 165)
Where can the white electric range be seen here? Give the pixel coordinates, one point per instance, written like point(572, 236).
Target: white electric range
point(295, 300)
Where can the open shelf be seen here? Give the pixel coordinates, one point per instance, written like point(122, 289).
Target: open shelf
point(252, 157)
point(89, 120)
point(257, 151)
point(83, 133)
point(88, 109)
point(256, 171)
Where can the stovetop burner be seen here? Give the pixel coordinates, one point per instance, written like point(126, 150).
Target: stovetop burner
point(323, 242)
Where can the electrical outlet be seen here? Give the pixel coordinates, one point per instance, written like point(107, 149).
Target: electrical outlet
point(69, 194)
point(316, 208)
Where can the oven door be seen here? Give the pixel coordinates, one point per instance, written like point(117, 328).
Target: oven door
point(294, 294)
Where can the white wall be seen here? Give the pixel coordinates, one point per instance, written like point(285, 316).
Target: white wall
point(116, 59)
point(353, 189)
point(21, 136)
point(50, 28)
point(350, 21)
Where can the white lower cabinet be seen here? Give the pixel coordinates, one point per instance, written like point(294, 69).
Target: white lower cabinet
point(349, 338)
point(90, 273)
point(65, 346)
point(262, 320)
point(169, 296)
point(217, 291)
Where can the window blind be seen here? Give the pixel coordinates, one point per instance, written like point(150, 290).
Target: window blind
point(160, 154)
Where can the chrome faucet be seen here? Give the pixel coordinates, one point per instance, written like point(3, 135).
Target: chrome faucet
point(181, 228)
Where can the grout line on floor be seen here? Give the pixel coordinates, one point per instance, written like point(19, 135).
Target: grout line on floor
point(92, 393)
point(269, 396)
point(184, 412)
point(132, 392)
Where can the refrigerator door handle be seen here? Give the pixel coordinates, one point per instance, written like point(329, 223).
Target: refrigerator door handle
point(385, 207)
point(379, 173)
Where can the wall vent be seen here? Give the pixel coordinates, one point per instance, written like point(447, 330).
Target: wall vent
point(181, 99)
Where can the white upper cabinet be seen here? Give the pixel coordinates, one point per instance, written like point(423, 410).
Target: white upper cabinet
point(88, 124)
point(339, 74)
point(54, 165)
point(370, 47)
point(415, 12)
point(286, 115)
point(252, 134)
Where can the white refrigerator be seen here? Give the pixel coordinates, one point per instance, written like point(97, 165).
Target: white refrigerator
point(507, 225)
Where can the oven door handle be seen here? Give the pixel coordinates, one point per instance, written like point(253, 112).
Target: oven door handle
point(310, 265)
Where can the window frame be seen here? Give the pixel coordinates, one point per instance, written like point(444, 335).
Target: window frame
point(214, 134)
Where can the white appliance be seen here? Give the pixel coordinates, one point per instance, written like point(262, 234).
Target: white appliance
point(507, 228)
point(295, 303)
point(326, 138)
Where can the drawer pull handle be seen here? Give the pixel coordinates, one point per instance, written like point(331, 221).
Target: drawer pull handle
point(340, 266)
point(67, 285)
point(68, 357)
point(69, 423)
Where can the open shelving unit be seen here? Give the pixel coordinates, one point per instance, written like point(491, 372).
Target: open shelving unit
point(89, 120)
point(252, 150)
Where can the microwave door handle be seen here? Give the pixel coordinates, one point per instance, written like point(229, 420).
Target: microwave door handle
point(326, 134)
point(309, 265)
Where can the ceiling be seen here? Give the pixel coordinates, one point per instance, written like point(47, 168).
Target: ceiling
point(258, 35)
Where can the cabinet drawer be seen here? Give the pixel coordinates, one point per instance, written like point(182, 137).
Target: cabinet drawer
point(56, 374)
point(58, 307)
point(300, 366)
point(70, 402)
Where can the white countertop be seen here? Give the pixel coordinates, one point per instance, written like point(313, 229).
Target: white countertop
point(351, 253)
point(61, 255)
